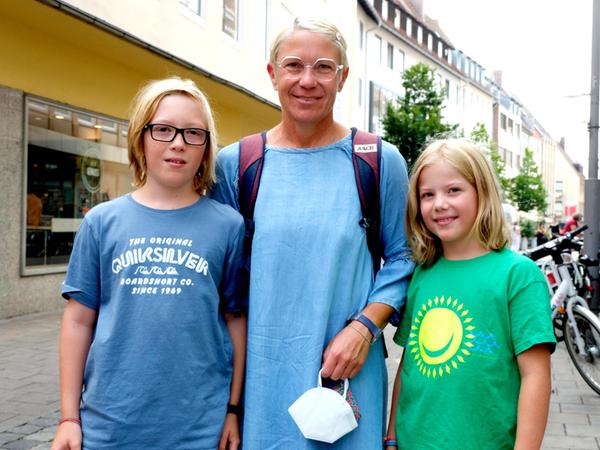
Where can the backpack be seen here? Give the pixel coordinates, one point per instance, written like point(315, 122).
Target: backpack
point(366, 159)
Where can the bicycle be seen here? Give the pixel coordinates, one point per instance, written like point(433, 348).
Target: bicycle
point(569, 285)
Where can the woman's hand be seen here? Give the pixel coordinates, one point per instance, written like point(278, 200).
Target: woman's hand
point(68, 437)
point(230, 436)
point(346, 352)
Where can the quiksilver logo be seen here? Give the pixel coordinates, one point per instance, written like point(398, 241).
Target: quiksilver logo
point(368, 148)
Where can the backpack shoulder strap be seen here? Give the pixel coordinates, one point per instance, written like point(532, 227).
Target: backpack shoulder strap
point(366, 158)
point(252, 149)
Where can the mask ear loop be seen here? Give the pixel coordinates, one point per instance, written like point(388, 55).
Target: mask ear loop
point(346, 384)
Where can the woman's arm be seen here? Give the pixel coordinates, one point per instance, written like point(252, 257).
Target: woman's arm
point(230, 436)
point(75, 338)
point(534, 397)
point(348, 350)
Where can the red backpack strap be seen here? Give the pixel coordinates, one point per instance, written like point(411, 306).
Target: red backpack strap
point(252, 150)
point(366, 158)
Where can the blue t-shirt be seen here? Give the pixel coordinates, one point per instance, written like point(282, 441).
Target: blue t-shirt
point(159, 367)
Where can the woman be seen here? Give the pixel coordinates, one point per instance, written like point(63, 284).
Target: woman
point(541, 235)
point(311, 267)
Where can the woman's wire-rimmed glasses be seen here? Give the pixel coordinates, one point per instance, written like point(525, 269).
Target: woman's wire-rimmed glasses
point(323, 69)
point(166, 133)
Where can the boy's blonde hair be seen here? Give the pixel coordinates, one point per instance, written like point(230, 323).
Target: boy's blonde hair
point(143, 108)
point(490, 227)
point(318, 26)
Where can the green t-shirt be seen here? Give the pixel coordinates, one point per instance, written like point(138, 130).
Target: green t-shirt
point(464, 324)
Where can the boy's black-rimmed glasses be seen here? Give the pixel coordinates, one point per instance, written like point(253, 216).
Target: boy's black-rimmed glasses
point(166, 133)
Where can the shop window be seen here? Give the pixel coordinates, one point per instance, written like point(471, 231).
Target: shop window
point(75, 160)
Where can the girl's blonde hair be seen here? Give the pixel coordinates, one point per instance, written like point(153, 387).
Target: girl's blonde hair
point(489, 227)
point(143, 108)
point(319, 26)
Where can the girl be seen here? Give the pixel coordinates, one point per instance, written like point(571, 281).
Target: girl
point(475, 373)
point(152, 322)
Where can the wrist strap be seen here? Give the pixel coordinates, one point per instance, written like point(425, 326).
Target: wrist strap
point(234, 409)
point(373, 329)
point(390, 442)
point(76, 420)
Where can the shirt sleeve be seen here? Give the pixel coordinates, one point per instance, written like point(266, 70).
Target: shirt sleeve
point(82, 282)
point(391, 282)
point(529, 309)
point(225, 189)
point(234, 285)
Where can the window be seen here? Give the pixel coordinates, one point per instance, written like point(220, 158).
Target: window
point(510, 126)
point(75, 160)
point(447, 88)
point(361, 35)
point(378, 49)
point(502, 121)
point(360, 91)
point(194, 6)
point(390, 56)
point(230, 18)
point(400, 62)
point(379, 98)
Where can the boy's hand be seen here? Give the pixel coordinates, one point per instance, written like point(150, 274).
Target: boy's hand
point(68, 437)
point(230, 436)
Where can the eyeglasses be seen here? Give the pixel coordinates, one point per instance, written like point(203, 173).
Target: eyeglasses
point(324, 69)
point(167, 133)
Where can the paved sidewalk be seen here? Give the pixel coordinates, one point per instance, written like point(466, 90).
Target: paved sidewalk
point(29, 390)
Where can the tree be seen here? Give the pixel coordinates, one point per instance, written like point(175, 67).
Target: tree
point(481, 136)
point(413, 119)
point(527, 190)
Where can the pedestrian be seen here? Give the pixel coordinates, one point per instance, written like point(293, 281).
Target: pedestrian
point(573, 223)
point(311, 267)
point(477, 331)
point(515, 237)
point(541, 235)
point(152, 330)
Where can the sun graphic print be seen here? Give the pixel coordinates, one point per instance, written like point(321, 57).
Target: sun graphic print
point(440, 337)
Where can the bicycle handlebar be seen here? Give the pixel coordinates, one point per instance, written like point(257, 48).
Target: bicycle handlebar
point(556, 246)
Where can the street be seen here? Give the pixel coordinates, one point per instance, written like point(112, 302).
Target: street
point(29, 389)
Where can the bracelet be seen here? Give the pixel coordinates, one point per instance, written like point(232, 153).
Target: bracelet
point(76, 420)
point(362, 335)
point(390, 442)
point(234, 409)
point(371, 326)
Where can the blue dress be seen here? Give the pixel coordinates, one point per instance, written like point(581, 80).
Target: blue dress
point(311, 269)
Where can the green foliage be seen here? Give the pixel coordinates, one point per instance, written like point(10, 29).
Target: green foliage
point(527, 228)
point(481, 136)
point(527, 190)
point(416, 117)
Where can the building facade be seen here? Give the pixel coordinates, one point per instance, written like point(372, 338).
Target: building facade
point(71, 67)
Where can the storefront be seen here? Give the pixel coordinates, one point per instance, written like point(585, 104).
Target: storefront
point(65, 88)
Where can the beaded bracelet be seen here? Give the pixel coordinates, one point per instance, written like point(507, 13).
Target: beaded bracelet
point(388, 441)
point(76, 420)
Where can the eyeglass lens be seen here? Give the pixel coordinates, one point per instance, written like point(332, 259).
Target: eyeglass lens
point(323, 68)
point(167, 133)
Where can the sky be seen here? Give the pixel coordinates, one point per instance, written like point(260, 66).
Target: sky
point(543, 48)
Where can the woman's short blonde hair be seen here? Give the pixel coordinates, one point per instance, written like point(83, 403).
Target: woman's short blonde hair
point(490, 226)
point(319, 26)
point(143, 108)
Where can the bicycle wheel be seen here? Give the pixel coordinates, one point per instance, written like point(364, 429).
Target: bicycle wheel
point(587, 362)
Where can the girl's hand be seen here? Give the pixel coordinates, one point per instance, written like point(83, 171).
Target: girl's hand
point(347, 352)
point(230, 436)
point(68, 437)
